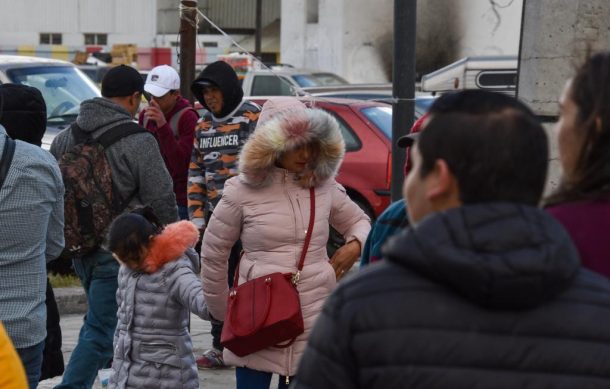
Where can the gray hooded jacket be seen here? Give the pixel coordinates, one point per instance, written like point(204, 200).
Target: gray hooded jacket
point(152, 345)
point(136, 162)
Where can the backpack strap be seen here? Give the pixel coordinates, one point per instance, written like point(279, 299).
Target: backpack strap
point(78, 134)
point(7, 158)
point(112, 136)
point(175, 120)
point(119, 132)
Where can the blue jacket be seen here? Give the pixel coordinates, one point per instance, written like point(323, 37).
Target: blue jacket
point(390, 222)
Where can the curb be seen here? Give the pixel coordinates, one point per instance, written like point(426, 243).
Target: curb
point(70, 300)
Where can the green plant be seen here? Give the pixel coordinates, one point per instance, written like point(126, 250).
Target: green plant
point(63, 281)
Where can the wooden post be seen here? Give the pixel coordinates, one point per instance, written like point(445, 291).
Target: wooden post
point(188, 41)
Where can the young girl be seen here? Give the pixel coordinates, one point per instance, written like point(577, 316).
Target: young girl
point(158, 288)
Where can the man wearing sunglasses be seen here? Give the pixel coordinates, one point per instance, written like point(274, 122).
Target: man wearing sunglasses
point(172, 120)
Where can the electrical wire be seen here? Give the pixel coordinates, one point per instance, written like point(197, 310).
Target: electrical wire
point(184, 9)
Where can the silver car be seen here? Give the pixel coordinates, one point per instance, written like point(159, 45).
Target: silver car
point(62, 85)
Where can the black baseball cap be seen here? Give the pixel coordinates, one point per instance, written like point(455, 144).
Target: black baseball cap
point(407, 140)
point(121, 81)
point(204, 83)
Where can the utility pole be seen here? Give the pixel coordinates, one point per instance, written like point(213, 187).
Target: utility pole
point(403, 86)
point(259, 29)
point(188, 39)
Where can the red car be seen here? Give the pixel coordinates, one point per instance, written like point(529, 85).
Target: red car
point(366, 128)
point(366, 170)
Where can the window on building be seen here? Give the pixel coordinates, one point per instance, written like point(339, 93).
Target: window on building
point(210, 44)
point(313, 10)
point(96, 39)
point(49, 38)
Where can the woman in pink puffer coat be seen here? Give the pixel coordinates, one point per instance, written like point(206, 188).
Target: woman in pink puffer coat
point(267, 206)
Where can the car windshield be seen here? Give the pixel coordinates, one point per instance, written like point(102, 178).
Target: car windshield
point(318, 79)
point(63, 88)
point(381, 117)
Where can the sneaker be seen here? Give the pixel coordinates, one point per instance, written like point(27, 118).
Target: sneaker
point(211, 359)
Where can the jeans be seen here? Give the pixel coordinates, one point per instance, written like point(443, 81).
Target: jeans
point(52, 357)
point(254, 379)
point(183, 212)
point(31, 358)
point(98, 273)
point(233, 261)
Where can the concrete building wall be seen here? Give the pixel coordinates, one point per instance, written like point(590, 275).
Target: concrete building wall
point(486, 29)
point(367, 40)
point(448, 30)
point(356, 35)
point(227, 14)
point(132, 21)
point(350, 38)
point(556, 36)
point(294, 31)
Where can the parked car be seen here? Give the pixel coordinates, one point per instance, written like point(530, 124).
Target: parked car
point(285, 81)
point(95, 72)
point(367, 129)
point(366, 171)
point(62, 85)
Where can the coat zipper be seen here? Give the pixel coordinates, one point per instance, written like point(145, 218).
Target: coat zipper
point(296, 236)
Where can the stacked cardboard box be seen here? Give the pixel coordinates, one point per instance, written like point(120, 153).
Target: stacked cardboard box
point(80, 58)
point(125, 54)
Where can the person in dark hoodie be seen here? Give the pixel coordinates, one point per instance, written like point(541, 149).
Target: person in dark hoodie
point(484, 290)
point(172, 120)
point(31, 230)
point(140, 178)
point(24, 117)
point(219, 137)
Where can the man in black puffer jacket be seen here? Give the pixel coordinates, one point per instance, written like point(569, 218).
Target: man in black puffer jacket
point(485, 290)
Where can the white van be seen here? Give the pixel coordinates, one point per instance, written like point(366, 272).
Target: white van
point(494, 73)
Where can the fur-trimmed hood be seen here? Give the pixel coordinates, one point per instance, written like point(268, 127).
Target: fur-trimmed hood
point(285, 131)
point(170, 245)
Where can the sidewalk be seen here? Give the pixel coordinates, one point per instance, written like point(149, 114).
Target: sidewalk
point(202, 340)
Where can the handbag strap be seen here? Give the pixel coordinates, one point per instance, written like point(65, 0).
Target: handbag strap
point(7, 158)
point(312, 217)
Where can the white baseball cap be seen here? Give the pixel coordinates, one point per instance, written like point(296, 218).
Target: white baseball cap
point(161, 80)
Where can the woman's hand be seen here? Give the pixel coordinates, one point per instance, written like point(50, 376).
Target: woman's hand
point(345, 257)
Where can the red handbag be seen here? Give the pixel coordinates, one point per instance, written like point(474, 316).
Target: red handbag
point(266, 311)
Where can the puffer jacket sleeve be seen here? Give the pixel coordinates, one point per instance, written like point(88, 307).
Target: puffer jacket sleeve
point(185, 287)
point(328, 361)
point(119, 302)
point(219, 237)
point(347, 217)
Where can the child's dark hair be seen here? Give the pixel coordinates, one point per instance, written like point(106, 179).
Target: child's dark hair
point(130, 235)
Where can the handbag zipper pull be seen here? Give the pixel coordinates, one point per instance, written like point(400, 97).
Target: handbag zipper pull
point(295, 277)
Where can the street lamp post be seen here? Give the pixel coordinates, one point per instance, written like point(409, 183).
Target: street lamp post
point(403, 85)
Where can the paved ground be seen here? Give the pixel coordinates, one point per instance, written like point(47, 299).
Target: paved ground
point(200, 331)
